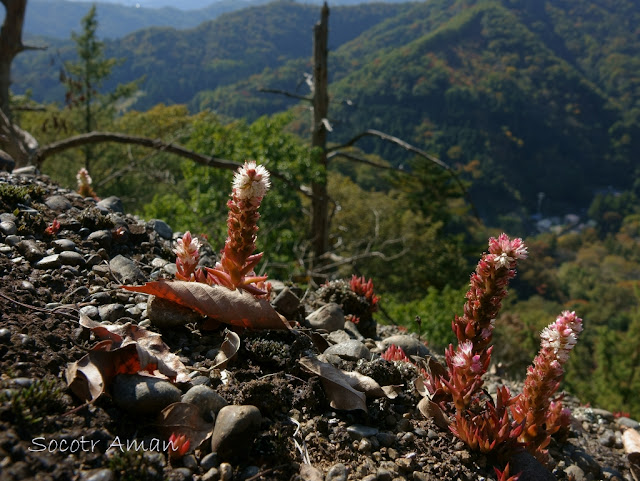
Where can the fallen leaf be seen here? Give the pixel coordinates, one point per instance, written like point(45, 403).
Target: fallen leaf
point(125, 349)
point(235, 307)
point(431, 410)
point(228, 349)
point(184, 418)
point(368, 385)
point(339, 391)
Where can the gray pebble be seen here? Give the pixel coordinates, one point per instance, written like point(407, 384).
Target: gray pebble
point(226, 472)
point(100, 475)
point(359, 431)
point(409, 344)
point(113, 204)
point(234, 426)
point(7, 217)
point(211, 475)
point(143, 394)
point(49, 262)
point(206, 399)
point(350, 350)
point(8, 228)
point(209, 461)
point(628, 422)
point(71, 258)
point(90, 311)
point(249, 472)
point(5, 335)
point(161, 228)
point(30, 250)
point(386, 439)
point(27, 286)
point(189, 461)
point(111, 312)
point(286, 303)
point(337, 472)
point(329, 317)
point(575, 473)
point(126, 270)
point(93, 260)
point(607, 439)
point(181, 474)
point(59, 203)
point(12, 240)
point(603, 413)
point(159, 263)
point(60, 245)
point(101, 237)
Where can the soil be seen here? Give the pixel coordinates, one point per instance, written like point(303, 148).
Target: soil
point(40, 418)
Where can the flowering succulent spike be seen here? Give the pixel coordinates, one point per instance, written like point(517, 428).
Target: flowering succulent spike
point(504, 475)
point(187, 257)
point(534, 407)
point(235, 269)
point(84, 184)
point(364, 288)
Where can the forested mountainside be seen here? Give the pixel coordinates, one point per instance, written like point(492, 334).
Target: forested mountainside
point(525, 97)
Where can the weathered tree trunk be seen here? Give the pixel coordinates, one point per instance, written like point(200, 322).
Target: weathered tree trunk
point(10, 46)
point(320, 202)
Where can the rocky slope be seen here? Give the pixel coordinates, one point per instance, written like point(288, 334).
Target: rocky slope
point(291, 431)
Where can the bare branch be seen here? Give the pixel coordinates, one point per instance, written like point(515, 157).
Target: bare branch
point(413, 149)
point(362, 160)
point(99, 137)
point(285, 93)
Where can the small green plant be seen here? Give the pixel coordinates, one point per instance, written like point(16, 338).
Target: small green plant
point(29, 404)
point(134, 465)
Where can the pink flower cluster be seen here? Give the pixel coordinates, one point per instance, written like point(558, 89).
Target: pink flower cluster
point(532, 417)
point(236, 267)
point(84, 184)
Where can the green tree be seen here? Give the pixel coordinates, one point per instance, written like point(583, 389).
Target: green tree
point(85, 77)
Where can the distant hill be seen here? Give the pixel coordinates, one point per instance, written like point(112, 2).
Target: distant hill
point(522, 96)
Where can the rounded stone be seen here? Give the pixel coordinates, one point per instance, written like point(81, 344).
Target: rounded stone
point(161, 228)
point(329, 318)
point(351, 350)
point(113, 204)
point(409, 344)
point(100, 475)
point(59, 203)
point(8, 228)
point(111, 312)
point(143, 394)
point(226, 472)
point(71, 258)
point(60, 245)
point(5, 335)
point(359, 431)
point(49, 262)
point(337, 472)
point(206, 399)
point(126, 270)
point(234, 426)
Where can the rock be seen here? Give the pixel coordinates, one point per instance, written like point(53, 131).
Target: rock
point(351, 350)
point(61, 245)
point(113, 204)
point(206, 399)
point(99, 475)
point(30, 250)
point(235, 425)
point(309, 473)
point(359, 431)
point(329, 317)
point(628, 422)
point(608, 438)
point(49, 262)
point(209, 461)
point(409, 344)
point(530, 467)
point(574, 473)
point(8, 228)
point(336, 337)
point(5, 335)
point(166, 314)
point(71, 258)
point(28, 171)
point(126, 270)
point(211, 475)
point(143, 394)
point(354, 330)
point(386, 439)
point(111, 312)
point(59, 203)
point(12, 240)
point(101, 237)
point(603, 413)
point(287, 303)
point(161, 228)
point(337, 472)
point(226, 472)
point(586, 462)
point(90, 311)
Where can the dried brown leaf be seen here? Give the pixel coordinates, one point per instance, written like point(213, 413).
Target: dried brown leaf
point(429, 409)
point(228, 349)
point(631, 441)
point(634, 465)
point(184, 418)
point(339, 391)
point(235, 307)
